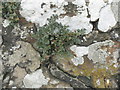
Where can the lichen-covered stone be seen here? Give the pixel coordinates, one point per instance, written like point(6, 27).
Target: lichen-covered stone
point(115, 7)
point(99, 63)
point(26, 56)
point(105, 54)
point(35, 79)
point(1, 40)
point(6, 23)
point(107, 19)
point(79, 52)
point(74, 11)
point(18, 75)
point(94, 8)
point(103, 10)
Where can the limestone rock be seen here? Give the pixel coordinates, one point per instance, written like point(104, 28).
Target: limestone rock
point(1, 76)
point(81, 22)
point(19, 75)
point(0, 30)
point(94, 8)
point(35, 79)
point(79, 52)
point(1, 40)
point(26, 56)
point(40, 16)
point(101, 9)
point(65, 77)
point(102, 50)
point(116, 9)
point(65, 63)
point(100, 61)
point(6, 23)
point(107, 19)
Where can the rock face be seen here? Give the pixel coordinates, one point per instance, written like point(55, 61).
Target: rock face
point(35, 80)
point(25, 56)
point(92, 63)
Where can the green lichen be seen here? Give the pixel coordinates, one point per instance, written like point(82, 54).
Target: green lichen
point(54, 38)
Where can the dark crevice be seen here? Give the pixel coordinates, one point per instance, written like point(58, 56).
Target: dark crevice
point(50, 62)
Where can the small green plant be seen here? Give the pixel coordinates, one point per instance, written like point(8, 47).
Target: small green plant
point(10, 11)
point(54, 38)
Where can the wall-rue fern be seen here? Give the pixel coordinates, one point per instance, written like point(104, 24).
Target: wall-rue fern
point(10, 11)
point(54, 38)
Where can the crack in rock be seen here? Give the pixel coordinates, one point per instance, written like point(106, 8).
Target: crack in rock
point(64, 77)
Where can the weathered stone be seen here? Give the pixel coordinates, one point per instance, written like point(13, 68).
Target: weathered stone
point(107, 19)
point(79, 52)
point(102, 50)
point(6, 80)
point(1, 40)
point(1, 66)
point(64, 85)
point(94, 8)
point(54, 82)
point(101, 60)
point(18, 75)
point(69, 0)
point(6, 23)
point(11, 82)
point(115, 6)
point(65, 63)
point(115, 34)
point(1, 69)
point(64, 77)
point(95, 59)
point(105, 58)
point(25, 55)
point(40, 16)
point(35, 80)
point(9, 38)
point(101, 9)
point(1, 78)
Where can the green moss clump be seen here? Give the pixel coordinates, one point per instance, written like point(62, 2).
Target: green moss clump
point(54, 38)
